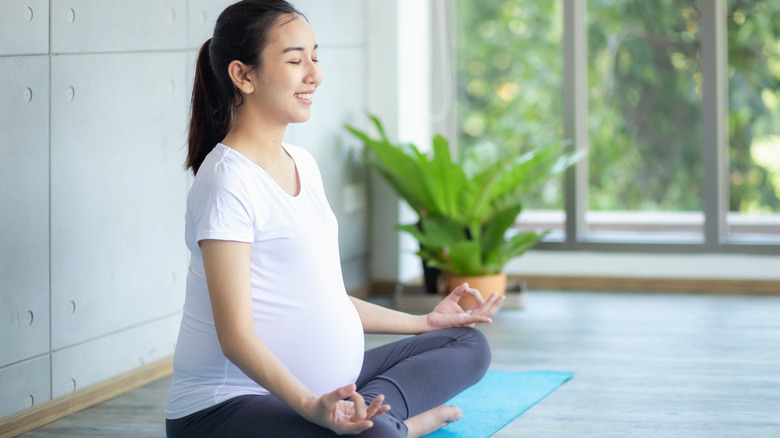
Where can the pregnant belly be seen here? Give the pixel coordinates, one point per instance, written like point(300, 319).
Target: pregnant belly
point(323, 349)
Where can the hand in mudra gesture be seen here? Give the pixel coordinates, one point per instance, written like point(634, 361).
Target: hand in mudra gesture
point(345, 412)
point(449, 314)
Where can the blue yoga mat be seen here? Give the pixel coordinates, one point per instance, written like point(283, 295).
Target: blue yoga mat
point(497, 399)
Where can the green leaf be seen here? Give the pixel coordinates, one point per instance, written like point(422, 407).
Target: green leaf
point(443, 178)
point(414, 230)
point(379, 127)
point(475, 199)
point(466, 259)
point(412, 193)
point(514, 247)
point(496, 229)
point(399, 168)
point(440, 231)
point(528, 173)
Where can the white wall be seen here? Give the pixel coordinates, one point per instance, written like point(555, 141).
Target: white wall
point(399, 71)
point(95, 98)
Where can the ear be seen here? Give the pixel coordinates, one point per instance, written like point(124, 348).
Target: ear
point(241, 76)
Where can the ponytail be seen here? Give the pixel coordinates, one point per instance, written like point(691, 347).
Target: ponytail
point(210, 112)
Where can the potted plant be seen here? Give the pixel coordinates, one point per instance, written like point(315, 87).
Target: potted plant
point(467, 208)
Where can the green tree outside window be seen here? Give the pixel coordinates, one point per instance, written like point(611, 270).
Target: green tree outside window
point(644, 79)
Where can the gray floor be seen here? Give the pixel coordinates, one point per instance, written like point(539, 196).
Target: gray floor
point(645, 366)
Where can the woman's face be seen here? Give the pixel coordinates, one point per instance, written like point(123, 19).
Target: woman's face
point(289, 73)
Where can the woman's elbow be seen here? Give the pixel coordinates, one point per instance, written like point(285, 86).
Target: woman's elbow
point(233, 344)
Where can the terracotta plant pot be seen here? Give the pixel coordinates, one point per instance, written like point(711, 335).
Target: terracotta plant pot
point(485, 284)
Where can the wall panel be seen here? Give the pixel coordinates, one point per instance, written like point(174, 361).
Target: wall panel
point(24, 385)
point(118, 191)
point(202, 16)
point(336, 23)
point(90, 362)
point(24, 208)
point(24, 27)
point(79, 26)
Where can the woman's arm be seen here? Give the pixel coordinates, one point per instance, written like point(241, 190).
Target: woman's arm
point(228, 277)
point(378, 319)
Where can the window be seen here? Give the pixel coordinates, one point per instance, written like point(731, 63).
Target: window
point(644, 119)
point(676, 101)
point(753, 117)
point(509, 73)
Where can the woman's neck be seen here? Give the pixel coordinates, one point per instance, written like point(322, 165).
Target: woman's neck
point(260, 142)
point(263, 145)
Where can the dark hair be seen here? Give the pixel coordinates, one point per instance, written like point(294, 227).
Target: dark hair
point(241, 33)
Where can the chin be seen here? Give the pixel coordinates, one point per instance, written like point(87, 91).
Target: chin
point(301, 118)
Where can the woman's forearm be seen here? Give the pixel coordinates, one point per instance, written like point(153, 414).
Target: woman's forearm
point(448, 313)
point(378, 319)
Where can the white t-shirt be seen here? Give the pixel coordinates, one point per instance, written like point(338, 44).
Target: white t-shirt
point(300, 306)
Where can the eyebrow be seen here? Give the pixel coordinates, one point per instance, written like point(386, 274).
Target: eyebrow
point(298, 49)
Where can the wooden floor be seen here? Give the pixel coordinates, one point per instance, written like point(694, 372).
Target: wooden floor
point(644, 366)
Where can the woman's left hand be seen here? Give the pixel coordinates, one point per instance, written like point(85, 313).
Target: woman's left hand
point(449, 314)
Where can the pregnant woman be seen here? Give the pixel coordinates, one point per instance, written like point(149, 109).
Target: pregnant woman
point(270, 344)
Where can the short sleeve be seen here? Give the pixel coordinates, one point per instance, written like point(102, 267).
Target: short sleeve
point(219, 207)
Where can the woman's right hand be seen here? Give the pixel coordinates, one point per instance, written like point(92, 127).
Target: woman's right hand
point(344, 411)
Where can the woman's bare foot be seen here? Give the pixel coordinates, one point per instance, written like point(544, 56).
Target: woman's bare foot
point(432, 420)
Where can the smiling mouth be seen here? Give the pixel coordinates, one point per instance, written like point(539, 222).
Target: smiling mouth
point(304, 96)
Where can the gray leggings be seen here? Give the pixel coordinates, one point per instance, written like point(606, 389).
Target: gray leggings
point(415, 374)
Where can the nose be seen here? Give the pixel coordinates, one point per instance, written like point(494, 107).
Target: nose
point(314, 75)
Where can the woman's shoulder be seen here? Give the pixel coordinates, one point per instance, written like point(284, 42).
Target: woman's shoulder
point(221, 170)
point(223, 162)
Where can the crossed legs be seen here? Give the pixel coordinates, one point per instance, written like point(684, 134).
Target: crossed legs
point(416, 374)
